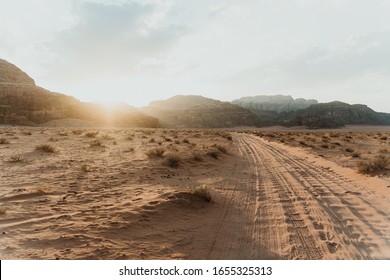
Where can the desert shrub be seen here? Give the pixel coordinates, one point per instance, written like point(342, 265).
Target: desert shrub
point(156, 153)
point(303, 143)
point(152, 140)
point(177, 142)
point(92, 134)
point(355, 155)
point(3, 211)
point(377, 164)
point(325, 146)
point(201, 192)
point(96, 143)
point(186, 141)
point(197, 156)
point(45, 148)
point(220, 148)
point(27, 133)
point(4, 141)
point(107, 137)
point(129, 137)
point(213, 153)
point(383, 138)
point(15, 159)
point(349, 150)
point(63, 134)
point(172, 160)
point(77, 132)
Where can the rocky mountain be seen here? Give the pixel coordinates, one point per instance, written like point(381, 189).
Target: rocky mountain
point(276, 103)
point(335, 114)
point(284, 110)
point(24, 103)
point(199, 112)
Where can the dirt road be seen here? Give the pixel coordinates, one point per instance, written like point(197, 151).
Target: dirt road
point(270, 201)
point(277, 205)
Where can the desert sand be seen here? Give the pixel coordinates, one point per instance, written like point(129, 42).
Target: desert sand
point(83, 193)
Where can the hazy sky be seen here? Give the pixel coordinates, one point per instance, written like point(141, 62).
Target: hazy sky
point(141, 50)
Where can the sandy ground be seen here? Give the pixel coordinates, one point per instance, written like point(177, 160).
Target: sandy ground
point(100, 196)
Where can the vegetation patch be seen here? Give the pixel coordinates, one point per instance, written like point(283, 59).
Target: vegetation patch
point(156, 153)
point(172, 160)
point(4, 141)
point(201, 192)
point(96, 143)
point(213, 153)
point(45, 148)
point(92, 134)
point(378, 164)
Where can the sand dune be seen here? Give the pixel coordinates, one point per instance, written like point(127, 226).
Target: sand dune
point(100, 196)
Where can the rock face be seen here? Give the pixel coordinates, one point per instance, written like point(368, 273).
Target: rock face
point(277, 103)
point(336, 114)
point(24, 103)
point(284, 110)
point(196, 111)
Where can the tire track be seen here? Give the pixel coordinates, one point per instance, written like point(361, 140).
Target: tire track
point(324, 217)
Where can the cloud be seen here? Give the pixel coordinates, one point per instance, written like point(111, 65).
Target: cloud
point(112, 38)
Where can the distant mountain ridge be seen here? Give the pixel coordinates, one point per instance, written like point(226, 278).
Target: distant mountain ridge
point(336, 114)
point(276, 103)
point(196, 111)
point(24, 103)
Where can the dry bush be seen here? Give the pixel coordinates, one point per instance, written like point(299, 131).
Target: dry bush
point(197, 156)
point(325, 146)
point(349, 150)
point(4, 141)
point(172, 160)
point(383, 138)
point(45, 148)
point(92, 134)
point(152, 140)
point(96, 143)
point(186, 141)
point(213, 153)
point(77, 132)
point(16, 159)
point(355, 155)
point(108, 137)
point(201, 192)
point(220, 148)
point(378, 164)
point(27, 133)
point(63, 134)
point(156, 153)
point(303, 143)
point(129, 137)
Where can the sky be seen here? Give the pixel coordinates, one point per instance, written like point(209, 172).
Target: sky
point(136, 51)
